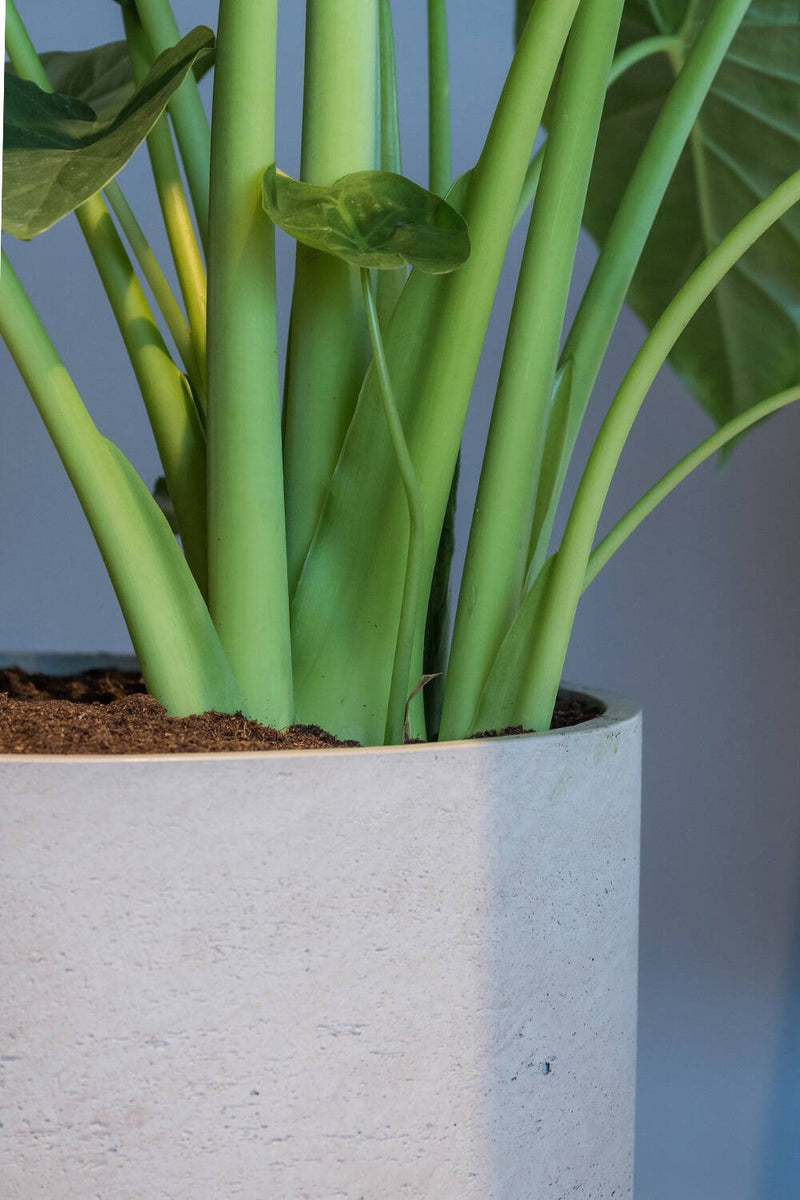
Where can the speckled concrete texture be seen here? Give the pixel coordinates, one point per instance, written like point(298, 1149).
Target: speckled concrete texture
point(341, 975)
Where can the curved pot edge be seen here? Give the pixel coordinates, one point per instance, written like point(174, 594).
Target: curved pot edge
point(617, 712)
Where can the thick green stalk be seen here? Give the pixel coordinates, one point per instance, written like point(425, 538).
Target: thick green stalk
point(720, 438)
point(20, 48)
point(496, 559)
point(564, 587)
point(328, 342)
point(186, 253)
point(185, 108)
point(175, 642)
point(440, 166)
point(401, 685)
point(156, 279)
point(390, 150)
point(346, 605)
point(389, 283)
point(247, 547)
point(440, 176)
point(167, 397)
point(602, 302)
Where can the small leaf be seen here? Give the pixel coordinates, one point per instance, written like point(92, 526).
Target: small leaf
point(57, 153)
point(370, 219)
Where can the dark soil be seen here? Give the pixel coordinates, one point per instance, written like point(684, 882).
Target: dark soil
point(569, 710)
point(109, 712)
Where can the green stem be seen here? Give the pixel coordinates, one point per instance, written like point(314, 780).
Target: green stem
point(156, 279)
point(531, 184)
point(167, 397)
point(604, 550)
point(401, 685)
point(440, 174)
point(389, 283)
point(602, 302)
point(664, 43)
point(440, 168)
point(247, 548)
point(345, 684)
point(623, 61)
point(391, 156)
point(175, 642)
point(185, 108)
point(566, 581)
point(186, 253)
point(21, 50)
point(496, 560)
point(166, 393)
point(328, 348)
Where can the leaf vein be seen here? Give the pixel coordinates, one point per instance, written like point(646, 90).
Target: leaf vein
point(759, 193)
point(758, 115)
point(768, 72)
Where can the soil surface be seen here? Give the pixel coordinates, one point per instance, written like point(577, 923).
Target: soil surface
point(109, 712)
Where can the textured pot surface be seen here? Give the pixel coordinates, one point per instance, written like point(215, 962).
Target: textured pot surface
point(332, 975)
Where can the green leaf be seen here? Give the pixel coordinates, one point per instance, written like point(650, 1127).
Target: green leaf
point(744, 343)
point(201, 67)
point(100, 77)
point(370, 219)
point(57, 152)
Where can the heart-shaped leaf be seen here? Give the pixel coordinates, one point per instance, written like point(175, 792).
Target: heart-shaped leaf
point(744, 343)
point(57, 152)
point(370, 219)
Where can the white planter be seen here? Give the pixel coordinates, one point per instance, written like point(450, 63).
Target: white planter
point(333, 975)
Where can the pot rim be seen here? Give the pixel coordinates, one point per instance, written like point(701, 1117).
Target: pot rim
point(617, 712)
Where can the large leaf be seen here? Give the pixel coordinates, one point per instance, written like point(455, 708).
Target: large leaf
point(58, 152)
point(100, 77)
point(744, 344)
point(370, 219)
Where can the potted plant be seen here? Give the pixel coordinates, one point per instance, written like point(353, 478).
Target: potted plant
point(312, 584)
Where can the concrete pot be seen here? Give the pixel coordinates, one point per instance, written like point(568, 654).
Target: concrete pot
point(333, 975)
